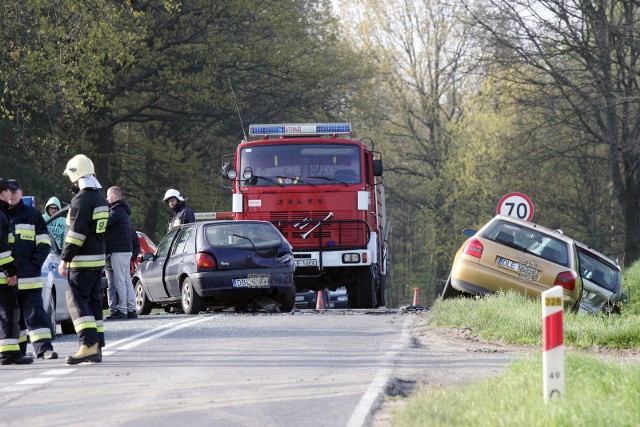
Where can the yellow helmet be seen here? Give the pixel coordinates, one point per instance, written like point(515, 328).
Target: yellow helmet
point(79, 166)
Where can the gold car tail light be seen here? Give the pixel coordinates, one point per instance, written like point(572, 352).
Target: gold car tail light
point(566, 279)
point(474, 248)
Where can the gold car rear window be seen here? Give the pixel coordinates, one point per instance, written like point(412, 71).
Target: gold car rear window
point(529, 240)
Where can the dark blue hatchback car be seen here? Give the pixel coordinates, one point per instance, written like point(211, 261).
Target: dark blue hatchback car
point(217, 264)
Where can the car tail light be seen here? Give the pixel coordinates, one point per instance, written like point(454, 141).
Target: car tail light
point(473, 248)
point(205, 260)
point(566, 279)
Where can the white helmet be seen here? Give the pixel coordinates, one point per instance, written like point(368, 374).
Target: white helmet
point(172, 193)
point(78, 167)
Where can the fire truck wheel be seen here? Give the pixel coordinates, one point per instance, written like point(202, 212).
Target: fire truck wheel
point(366, 289)
point(380, 297)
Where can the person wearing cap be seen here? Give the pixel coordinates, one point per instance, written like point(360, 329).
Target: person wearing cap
point(56, 227)
point(9, 311)
point(83, 257)
point(30, 249)
point(182, 214)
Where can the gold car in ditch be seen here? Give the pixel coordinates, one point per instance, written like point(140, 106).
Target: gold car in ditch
point(510, 254)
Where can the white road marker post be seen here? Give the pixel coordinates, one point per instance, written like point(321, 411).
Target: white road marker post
point(552, 344)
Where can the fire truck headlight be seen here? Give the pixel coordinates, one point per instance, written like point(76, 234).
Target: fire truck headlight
point(350, 258)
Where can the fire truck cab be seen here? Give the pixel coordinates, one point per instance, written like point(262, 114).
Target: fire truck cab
point(325, 194)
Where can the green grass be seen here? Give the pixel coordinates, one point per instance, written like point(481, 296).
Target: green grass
point(597, 392)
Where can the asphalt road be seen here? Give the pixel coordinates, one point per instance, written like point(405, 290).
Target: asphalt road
point(218, 369)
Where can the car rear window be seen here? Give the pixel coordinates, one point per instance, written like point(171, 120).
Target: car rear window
point(598, 271)
point(242, 235)
point(528, 240)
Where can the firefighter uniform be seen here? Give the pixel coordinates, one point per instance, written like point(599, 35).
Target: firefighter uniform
point(84, 255)
point(31, 247)
point(9, 311)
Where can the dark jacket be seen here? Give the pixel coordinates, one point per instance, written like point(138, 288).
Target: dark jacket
point(183, 214)
point(31, 246)
point(7, 263)
point(118, 236)
point(86, 225)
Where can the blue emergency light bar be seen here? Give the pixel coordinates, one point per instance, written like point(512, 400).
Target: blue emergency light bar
point(300, 129)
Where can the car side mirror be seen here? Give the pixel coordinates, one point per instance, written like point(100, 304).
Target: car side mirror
point(147, 257)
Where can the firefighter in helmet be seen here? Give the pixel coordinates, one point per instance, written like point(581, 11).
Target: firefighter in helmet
point(83, 255)
point(182, 214)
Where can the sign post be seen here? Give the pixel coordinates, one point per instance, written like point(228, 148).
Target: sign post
point(552, 343)
point(516, 205)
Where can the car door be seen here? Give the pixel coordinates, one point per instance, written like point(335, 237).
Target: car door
point(182, 252)
point(154, 270)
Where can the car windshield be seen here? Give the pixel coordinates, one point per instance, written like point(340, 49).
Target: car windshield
point(301, 164)
point(600, 272)
point(529, 240)
point(242, 235)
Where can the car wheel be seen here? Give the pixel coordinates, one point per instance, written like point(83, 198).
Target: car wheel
point(449, 291)
point(287, 301)
point(67, 327)
point(51, 314)
point(191, 301)
point(143, 305)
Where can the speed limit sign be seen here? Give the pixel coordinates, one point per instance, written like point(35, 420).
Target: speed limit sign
point(516, 205)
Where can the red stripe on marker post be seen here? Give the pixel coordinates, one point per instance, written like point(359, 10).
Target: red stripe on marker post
point(552, 332)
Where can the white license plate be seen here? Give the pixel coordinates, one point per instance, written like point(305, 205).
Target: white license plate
point(508, 264)
point(252, 281)
point(306, 263)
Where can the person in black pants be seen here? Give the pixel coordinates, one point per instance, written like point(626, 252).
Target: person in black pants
point(83, 254)
point(9, 312)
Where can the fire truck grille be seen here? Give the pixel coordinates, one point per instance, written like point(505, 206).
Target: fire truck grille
point(303, 232)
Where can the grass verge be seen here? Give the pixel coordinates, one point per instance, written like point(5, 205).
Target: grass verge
point(597, 392)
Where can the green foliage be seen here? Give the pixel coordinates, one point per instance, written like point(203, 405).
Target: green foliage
point(516, 319)
point(595, 390)
point(631, 287)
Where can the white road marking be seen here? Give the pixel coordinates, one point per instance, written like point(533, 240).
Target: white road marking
point(157, 332)
point(375, 392)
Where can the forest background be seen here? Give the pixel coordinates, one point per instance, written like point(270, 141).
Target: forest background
point(466, 101)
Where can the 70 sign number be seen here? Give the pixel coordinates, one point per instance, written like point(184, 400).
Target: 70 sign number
point(516, 205)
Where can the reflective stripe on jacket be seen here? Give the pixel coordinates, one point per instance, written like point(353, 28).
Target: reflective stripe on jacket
point(86, 225)
point(31, 246)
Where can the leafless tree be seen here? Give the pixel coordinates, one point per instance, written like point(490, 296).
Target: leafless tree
point(580, 60)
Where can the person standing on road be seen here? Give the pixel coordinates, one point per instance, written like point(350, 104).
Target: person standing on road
point(9, 312)
point(56, 227)
point(30, 249)
point(83, 254)
point(122, 304)
point(182, 214)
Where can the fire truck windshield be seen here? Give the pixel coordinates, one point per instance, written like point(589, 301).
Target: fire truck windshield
point(292, 164)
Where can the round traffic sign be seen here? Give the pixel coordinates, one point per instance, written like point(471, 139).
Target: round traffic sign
point(516, 205)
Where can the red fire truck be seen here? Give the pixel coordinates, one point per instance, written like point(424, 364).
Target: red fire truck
point(325, 194)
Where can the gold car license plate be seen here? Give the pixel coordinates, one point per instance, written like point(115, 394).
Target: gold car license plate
point(252, 281)
point(508, 264)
